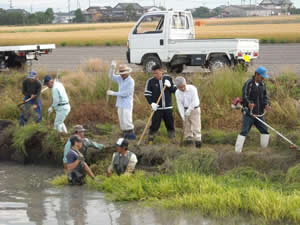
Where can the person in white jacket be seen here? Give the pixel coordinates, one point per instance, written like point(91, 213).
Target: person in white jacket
point(60, 103)
point(189, 108)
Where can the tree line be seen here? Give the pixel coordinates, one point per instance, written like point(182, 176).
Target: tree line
point(21, 17)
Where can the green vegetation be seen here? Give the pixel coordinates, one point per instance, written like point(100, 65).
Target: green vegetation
point(245, 191)
point(263, 183)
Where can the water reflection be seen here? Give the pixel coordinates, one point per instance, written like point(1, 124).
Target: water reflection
point(26, 198)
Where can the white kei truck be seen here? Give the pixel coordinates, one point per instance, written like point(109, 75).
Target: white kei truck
point(15, 57)
point(168, 38)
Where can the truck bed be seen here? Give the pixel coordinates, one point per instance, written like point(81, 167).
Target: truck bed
point(27, 47)
point(205, 46)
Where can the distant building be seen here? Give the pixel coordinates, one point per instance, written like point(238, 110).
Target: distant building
point(127, 11)
point(63, 17)
point(98, 13)
point(277, 6)
point(246, 10)
point(153, 8)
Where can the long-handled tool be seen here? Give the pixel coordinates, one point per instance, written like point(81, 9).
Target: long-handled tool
point(150, 118)
point(293, 146)
point(28, 100)
point(111, 73)
point(237, 104)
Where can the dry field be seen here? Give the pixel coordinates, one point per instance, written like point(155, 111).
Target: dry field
point(285, 30)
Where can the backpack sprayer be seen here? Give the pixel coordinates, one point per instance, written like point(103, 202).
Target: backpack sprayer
point(237, 105)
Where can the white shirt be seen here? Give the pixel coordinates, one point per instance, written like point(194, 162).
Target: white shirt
point(187, 99)
point(59, 94)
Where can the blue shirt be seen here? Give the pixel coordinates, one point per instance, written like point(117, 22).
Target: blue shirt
point(59, 94)
point(125, 93)
point(72, 156)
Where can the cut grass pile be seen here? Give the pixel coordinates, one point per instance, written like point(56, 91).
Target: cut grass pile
point(108, 34)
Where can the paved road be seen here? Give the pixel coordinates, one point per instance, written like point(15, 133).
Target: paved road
point(277, 57)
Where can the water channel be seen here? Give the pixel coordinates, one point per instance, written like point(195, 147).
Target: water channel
point(27, 198)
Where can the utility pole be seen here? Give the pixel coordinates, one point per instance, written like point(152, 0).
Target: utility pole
point(78, 4)
point(10, 4)
point(89, 3)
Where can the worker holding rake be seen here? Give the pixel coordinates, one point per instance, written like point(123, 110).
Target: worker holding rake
point(255, 103)
point(160, 86)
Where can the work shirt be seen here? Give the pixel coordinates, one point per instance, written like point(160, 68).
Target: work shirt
point(132, 161)
point(125, 92)
point(187, 100)
point(85, 144)
point(32, 88)
point(72, 156)
point(257, 94)
point(154, 88)
point(59, 95)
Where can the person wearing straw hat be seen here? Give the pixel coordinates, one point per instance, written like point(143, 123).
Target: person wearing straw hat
point(189, 109)
point(124, 98)
point(86, 143)
point(60, 103)
point(255, 102)
point(31, 89)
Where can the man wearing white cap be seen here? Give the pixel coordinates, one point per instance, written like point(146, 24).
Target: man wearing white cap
point(31, 89)
point(189, 109)
point(60, 103)
point(124, 98)
point(123, 161)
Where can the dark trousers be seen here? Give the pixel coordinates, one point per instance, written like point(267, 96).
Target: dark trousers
point(167, 116)
point(24, 116)
point(248, 121)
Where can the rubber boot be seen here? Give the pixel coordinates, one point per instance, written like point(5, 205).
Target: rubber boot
point(239, 143)
point(130, 135)
point(264, 140)
point(198, 144)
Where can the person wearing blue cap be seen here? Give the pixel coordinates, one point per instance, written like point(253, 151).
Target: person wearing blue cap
point(255, 103)
point(60, 103)
point(31, 89)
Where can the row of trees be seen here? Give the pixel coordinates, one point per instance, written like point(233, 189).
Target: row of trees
point(21, 17)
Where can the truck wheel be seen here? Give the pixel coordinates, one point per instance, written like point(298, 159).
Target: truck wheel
point(218, 63)
point(149, 62)
point(176, 69)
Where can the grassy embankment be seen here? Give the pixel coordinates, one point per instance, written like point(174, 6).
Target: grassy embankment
point(213, 180)
point(284, 29)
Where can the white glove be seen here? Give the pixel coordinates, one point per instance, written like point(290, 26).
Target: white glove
point(113, 64)
point(187, 113)
point(167, 83)
point(50, 110)
point(154, 106)
point(110, 92)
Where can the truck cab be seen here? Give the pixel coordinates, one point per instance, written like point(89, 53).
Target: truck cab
point(168, 38)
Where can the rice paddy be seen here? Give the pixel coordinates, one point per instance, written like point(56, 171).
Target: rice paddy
point(285, 29)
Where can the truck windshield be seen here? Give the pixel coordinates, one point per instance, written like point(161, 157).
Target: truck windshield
point(180, 21)
point(150, 24)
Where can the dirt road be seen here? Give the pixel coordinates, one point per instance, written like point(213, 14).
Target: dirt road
point(277, 58)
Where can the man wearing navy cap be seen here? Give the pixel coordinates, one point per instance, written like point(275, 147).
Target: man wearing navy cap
point(60, 103)
point(31, 89)
point(255, 103)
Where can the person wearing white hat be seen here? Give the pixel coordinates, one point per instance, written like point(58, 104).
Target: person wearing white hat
point(124, 98)
point(31, 89)
point(123, 161)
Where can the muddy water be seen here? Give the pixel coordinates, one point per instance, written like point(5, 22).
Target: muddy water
point(26, 198)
